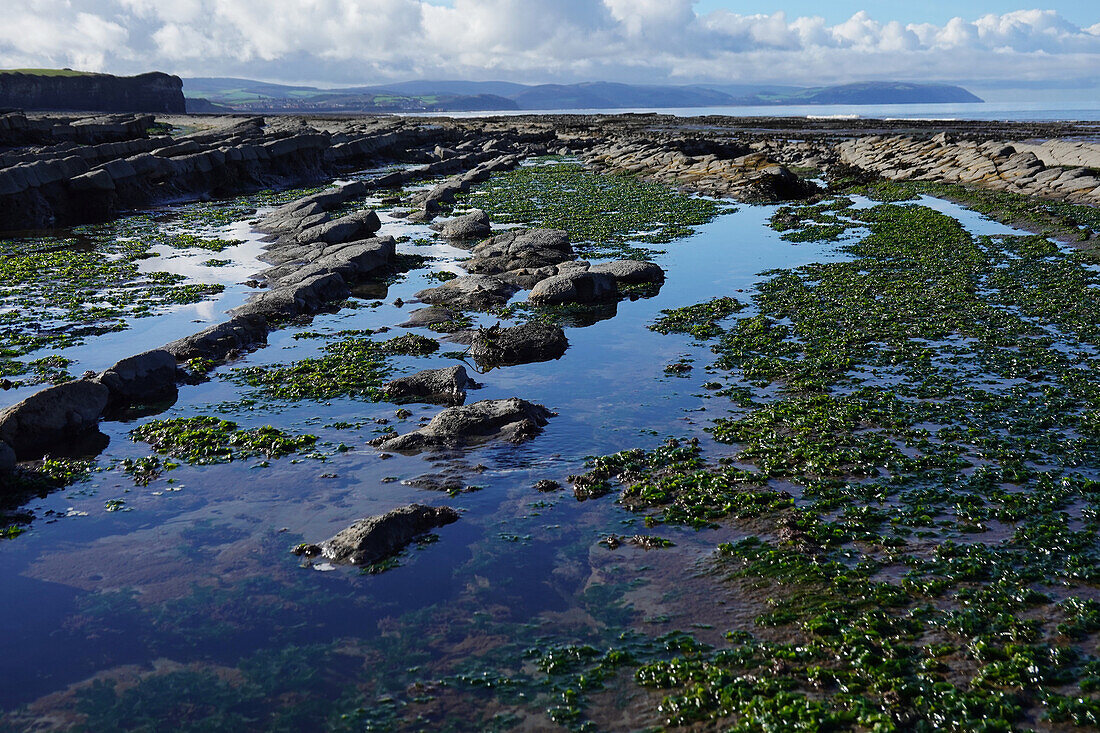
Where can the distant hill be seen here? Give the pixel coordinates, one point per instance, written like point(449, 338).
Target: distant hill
point(245, 95)
point(870, 93)
point(65, 89)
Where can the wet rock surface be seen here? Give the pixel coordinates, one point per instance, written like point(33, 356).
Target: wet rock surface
point(513, 420)
point(431, 316)
point(143, 378)
point(52, 416)
point(437, 386)
point(374, 538)
point(520, 248)
point(470, 292)
point(219, 340)
point(631, 272)
point(523, 344)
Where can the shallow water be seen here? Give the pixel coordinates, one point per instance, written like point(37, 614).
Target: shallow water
point(195, 572)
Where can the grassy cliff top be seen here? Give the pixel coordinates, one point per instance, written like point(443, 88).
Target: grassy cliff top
point(49, 72)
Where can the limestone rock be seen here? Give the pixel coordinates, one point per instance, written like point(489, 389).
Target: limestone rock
point(632, 272)
point(474, 225)
point(470, 292)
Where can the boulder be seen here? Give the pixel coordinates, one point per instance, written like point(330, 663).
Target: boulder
point(516, 249)
point(523, 344)
point(437, 386)
point(147, 377)
point(52, 416)
point(470, 292)
point(374, 538)
point(574, 288)
point(631, 272)
point(512, 420)
point(474, 225)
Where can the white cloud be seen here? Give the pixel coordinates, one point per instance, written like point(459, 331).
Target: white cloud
point(366, 41)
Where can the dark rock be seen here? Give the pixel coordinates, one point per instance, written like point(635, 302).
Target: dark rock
point(523, 344)
point(578, 287)
point(7, 458)
point(546, 485)
point(358, 225)
point(153, 92)
point(436, 482)
point(438, 386)
point(431, 316)
point(374, 538)
point(512, 420)
point(516, 249)
point(147, 377)
point(308, 296)
point(219, 340)
point(470, 292)
point(53, 415)
point(474, 225)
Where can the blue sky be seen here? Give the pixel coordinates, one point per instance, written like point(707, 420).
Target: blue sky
point(982, 44)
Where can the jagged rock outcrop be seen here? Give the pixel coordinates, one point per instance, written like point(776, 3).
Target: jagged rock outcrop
point(752, 176)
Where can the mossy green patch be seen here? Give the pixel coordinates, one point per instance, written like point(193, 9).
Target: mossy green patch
point(355, 367)
point(604, 214)
point(204, 440)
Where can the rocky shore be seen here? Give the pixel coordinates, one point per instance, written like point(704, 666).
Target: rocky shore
point(57, 171)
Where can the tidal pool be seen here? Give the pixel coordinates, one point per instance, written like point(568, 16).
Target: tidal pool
point(130, 603)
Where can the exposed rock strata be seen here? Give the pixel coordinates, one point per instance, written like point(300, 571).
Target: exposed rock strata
point(152, 92)
point(991, 164)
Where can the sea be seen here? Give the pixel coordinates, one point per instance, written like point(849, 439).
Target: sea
point(1083, 111)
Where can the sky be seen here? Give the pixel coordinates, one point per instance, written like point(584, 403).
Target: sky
point(984, 44)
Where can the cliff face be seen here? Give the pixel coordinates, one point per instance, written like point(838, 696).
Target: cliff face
point(152, 92)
